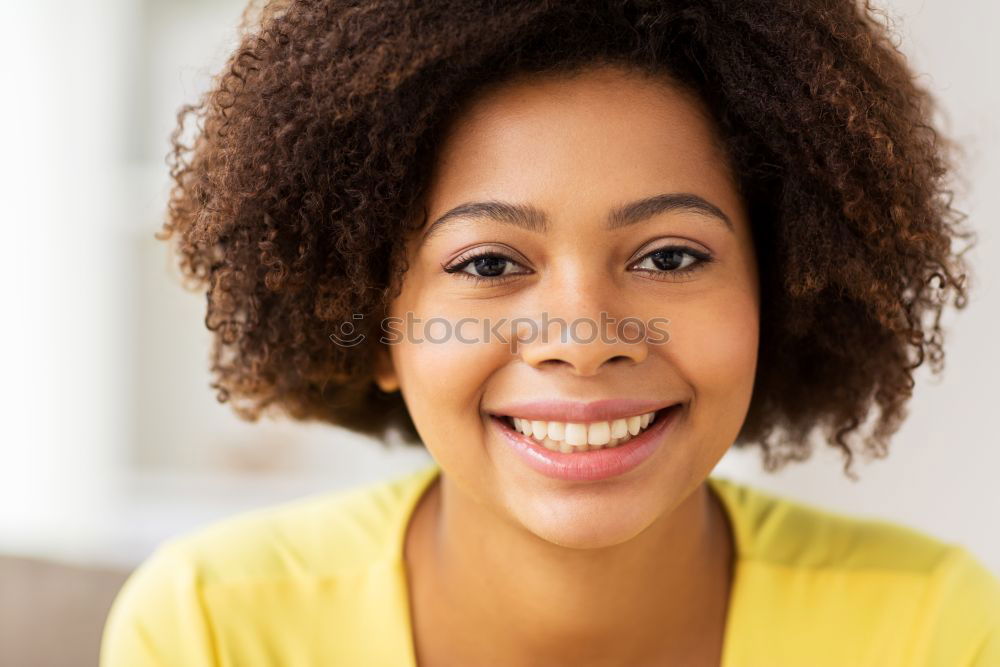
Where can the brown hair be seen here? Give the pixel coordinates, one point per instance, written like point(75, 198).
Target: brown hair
point(291, 203)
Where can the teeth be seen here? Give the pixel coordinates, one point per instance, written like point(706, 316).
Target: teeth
point(569, 437)
point(576, 434)
point(599, 433)
point(557, 430)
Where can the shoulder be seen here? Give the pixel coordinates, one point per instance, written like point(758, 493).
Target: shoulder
point(863, 575)
point(782, 531)
point(327, 534)
point(253, 565)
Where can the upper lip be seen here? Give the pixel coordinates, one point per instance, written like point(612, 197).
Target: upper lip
point(557, 410)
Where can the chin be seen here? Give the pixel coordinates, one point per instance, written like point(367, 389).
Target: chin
point(587, 523)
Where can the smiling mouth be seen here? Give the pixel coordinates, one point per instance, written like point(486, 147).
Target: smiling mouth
point(569, 437)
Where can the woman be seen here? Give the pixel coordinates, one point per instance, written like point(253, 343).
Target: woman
point(577, 250)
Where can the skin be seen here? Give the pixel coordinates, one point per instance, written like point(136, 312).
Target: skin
point(508, 566)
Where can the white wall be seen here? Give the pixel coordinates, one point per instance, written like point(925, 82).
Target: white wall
point(60, 267)
point(112, 439)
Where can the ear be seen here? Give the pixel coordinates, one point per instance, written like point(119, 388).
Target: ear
point(385, 372)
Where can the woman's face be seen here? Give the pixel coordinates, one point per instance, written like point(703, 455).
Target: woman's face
point(576, 151)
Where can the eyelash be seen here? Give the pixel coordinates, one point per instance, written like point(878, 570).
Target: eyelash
point(457, 268)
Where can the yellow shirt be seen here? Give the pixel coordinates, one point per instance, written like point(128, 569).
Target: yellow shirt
point(320, 581)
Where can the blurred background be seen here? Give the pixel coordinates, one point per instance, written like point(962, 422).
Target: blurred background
point(112, 440)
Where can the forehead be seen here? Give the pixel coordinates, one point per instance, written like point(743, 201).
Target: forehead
point(607, 131)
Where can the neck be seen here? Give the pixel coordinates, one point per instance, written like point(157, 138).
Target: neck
point(488, 587)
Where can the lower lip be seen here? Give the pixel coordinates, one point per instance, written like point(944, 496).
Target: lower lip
point(595, 464)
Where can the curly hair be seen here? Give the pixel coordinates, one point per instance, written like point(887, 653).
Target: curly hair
point(292, 202)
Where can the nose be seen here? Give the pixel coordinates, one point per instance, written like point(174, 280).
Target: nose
point(579, 331)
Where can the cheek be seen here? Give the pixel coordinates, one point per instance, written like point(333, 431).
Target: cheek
point(442, 385)
point(441, 372)
point(714, 346)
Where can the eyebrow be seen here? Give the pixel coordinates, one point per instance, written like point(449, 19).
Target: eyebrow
point(531, 218)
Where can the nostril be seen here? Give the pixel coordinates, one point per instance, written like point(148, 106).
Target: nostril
point(554, 362)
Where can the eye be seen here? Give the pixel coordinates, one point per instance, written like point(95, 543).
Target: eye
point(485, 266)
point(673, 262)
